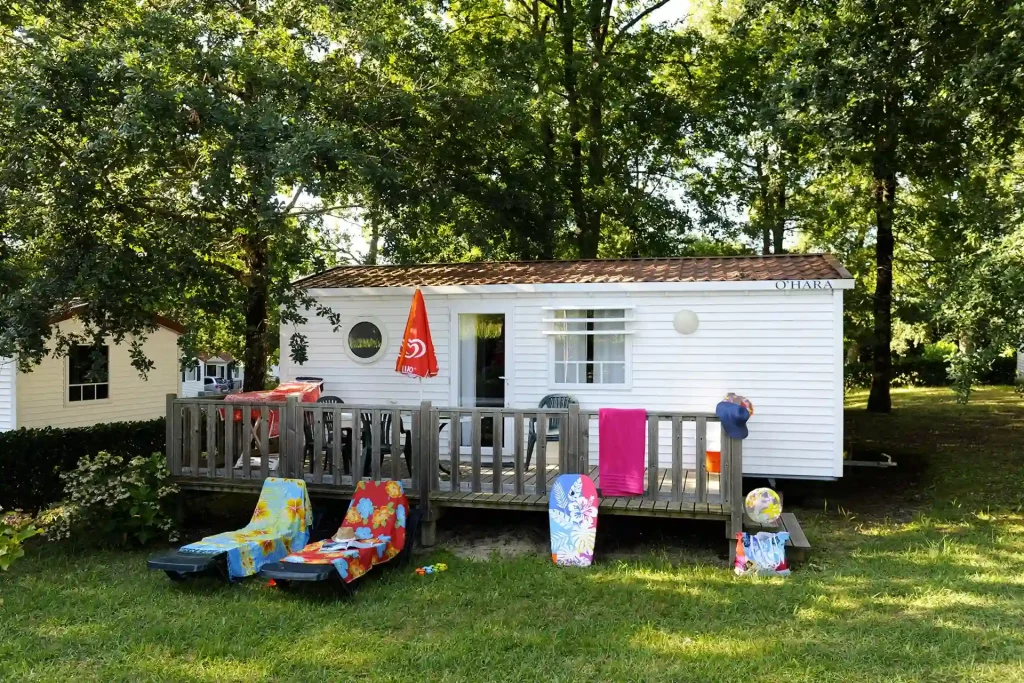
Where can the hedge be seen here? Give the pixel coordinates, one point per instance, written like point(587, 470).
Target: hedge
point(31, 460)
point(918, 371)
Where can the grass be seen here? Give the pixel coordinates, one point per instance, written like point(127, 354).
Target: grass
point(917, 574)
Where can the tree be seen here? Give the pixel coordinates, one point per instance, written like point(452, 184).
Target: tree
point(872, 75)
point(154, 157)
point(555, 137)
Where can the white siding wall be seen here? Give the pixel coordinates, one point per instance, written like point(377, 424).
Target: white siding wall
point(1020, 363)
point(7, 395)
point(781, 349)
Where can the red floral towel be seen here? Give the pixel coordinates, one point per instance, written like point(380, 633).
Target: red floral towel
point(377, 515)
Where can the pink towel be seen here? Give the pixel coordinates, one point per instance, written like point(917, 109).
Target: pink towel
point(622, 438)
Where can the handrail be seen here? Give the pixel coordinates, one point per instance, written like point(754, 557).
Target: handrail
point(324, 444)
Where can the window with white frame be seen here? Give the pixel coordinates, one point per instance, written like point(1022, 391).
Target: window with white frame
point(589, 346)
point(88, 373)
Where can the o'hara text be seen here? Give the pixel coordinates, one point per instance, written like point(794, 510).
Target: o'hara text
point(803, 284)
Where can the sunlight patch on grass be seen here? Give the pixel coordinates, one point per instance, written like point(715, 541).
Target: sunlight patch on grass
point(665, 643)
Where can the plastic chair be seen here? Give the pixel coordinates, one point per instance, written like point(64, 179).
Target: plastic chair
point(553, 402)
point(386, 447)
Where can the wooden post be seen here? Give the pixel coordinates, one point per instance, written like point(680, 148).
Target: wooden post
point(211, 440)
point(376, 425)
point(540, 464)
point(265, 443)
point(195, 439)
point(583, 466)
point(318, 444)
point(475, 485)
point(454, 441)
point(428, 534)
point(229, 441)
point(293, 453)
point(701, 464)
point(653, 480)
point(246, 439)
point(736, 472)
point(435, 451)
point(652, 452)
point(497, 456)
point(517, 449)
point(396, 444)
point(170, 440)
point(677, 458)
point(572, 440)
point(724, 484)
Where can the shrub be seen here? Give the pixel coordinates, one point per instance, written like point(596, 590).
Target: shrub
point(110, 500)
point(32, 460)
point(15, 529)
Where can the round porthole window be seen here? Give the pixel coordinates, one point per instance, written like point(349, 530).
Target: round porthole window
point(366, 341)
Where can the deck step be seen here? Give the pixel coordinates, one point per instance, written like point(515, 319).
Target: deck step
point(797, 547)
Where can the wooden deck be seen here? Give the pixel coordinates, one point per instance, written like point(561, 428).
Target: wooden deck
point(243, 451)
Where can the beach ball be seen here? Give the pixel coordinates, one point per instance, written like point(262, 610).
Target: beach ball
point(763, 505)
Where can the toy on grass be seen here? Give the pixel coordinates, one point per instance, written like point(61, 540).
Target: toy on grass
point(432, 569)
point(763, 506)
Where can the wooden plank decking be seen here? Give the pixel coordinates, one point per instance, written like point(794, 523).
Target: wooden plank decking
point(212, 449)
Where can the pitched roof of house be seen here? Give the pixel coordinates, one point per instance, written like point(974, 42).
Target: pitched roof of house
point(674, 269)
point(74, 310)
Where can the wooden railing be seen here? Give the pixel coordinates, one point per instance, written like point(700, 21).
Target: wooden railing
point(441, 450)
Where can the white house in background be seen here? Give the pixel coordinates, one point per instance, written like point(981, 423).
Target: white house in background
point(1020, 363)
point(507, 334)
point(81, 390)
point(201, 377)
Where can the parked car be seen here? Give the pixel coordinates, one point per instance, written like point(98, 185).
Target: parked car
point(214, 385)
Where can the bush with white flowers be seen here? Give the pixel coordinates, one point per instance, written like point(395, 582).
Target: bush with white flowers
point(111, 499)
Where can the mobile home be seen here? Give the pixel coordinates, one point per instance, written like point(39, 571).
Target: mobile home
point(664, 333)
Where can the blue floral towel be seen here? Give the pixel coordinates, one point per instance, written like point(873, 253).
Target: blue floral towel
point(280, 523)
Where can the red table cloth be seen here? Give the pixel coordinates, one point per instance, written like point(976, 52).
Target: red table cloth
point(308, 392)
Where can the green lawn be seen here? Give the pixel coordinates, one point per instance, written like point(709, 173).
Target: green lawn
point(917, 574)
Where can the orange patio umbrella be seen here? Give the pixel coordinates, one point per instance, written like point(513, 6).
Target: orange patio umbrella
point(416, 357)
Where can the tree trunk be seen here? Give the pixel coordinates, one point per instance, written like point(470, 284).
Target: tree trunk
point(760, 214)
point(257, 296)
point(590, 238)
point(779, 217)
point(570, 81)
point(549, 210)
point(549, 202)
point(879, 400)
point(371, 254)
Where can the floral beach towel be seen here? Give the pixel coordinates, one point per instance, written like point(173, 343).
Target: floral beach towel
point(279, 523)
point(377, 516)
point(763, 553)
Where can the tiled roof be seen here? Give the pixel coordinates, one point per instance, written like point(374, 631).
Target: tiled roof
point(676, 269)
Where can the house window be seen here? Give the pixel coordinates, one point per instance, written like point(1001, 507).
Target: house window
point(191, 374)
point(589, 346)
point(365, 341)
point(211, 370)
point(88, 373)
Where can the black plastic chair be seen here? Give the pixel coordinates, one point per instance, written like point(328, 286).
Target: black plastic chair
point(554, 402)
point(329, 436)
point(308, 423)
point(386, 447)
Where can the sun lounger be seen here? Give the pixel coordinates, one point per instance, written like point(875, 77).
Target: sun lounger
point(280, 523)
point(383, 528)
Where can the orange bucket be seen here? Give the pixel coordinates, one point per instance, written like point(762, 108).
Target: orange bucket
point(713, 461)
